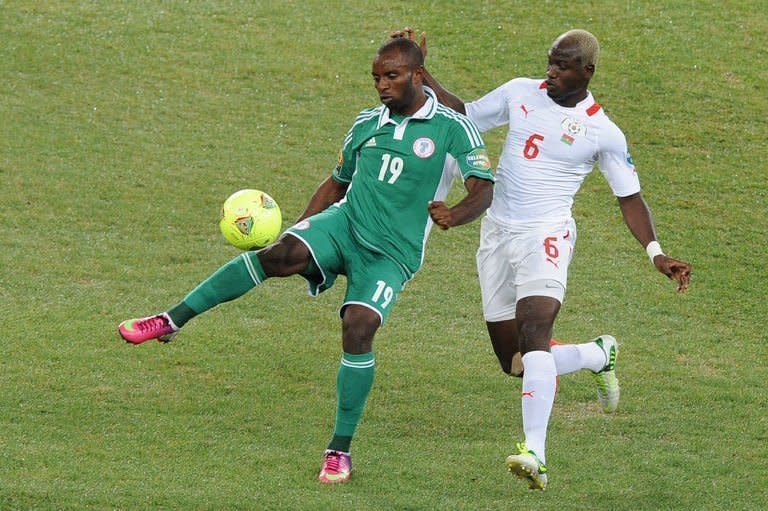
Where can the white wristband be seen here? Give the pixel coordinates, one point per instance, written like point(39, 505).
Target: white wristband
point(653, 249)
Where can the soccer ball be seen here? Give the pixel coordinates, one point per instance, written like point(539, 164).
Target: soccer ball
point(250, 219)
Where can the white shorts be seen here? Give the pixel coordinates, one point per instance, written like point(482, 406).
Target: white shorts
point(516, 262)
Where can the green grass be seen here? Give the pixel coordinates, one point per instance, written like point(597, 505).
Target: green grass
point(124, 125)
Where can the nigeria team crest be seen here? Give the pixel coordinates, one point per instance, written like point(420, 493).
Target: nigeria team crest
point(423, 147)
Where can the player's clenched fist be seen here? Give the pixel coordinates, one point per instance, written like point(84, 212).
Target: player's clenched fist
point(440, 213)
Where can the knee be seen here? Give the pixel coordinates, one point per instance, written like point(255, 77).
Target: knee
point(535, 336)
point(506, 365)
point(535, 316)
point(359, 325)
point(504, 339)
point(287, 256)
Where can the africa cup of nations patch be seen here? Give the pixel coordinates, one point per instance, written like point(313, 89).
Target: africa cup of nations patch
point(478, 159)
point(424, 147)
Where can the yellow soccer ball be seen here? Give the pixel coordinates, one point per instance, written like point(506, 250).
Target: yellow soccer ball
point(250, 219)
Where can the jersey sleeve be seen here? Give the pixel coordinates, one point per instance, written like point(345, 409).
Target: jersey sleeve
point(468, 149)
point(616, 163)
point(492, 110)
point(345, 166)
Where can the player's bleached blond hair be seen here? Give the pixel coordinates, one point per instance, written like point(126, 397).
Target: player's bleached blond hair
point(587, 44)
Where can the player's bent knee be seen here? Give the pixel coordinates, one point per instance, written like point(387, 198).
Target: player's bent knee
point(535, 337)
point(287, 256)
point(512, 369)
point(359, 325)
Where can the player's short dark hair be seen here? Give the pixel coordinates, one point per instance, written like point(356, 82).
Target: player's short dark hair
point(406, 47)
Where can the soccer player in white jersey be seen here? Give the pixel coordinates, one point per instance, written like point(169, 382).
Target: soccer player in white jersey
point(557, 133)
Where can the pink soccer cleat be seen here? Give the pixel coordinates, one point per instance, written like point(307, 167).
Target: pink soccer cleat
point(337, 467)
point(159, 326)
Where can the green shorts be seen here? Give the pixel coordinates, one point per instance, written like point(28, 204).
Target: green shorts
point(373, 279)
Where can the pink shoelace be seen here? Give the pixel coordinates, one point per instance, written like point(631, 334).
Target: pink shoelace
point(333, 461)
point(151, 324)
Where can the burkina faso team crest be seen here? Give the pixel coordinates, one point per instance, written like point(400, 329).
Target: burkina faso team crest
point(573, 127)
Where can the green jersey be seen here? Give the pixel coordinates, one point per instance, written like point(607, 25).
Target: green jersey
point(395, 166)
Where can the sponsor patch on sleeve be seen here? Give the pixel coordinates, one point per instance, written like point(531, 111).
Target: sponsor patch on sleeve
point(339, 165)
point(478, 159)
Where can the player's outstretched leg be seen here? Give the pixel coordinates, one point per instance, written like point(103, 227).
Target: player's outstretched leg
point(159, 326)
point(526, 465)
point(337, 467)
point(231, 281)
point(608, 390)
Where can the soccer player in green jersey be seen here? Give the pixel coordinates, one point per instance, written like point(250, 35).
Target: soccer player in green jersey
point(369, 221)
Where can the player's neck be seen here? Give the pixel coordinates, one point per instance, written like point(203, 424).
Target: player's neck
point(414, 107)
point(573, 99)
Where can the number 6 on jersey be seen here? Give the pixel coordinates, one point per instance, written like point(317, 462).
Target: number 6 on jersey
point(531, 150)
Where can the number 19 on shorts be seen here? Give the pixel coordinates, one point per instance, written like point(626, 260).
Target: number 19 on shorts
point(383, 294)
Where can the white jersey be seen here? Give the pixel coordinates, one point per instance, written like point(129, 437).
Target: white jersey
point(548, 152)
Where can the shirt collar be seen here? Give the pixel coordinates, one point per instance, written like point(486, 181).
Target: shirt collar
point(583, 104)
point(586, 102)
point(427, 110)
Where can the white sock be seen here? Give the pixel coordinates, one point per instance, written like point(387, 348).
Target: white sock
point(170, 322)
point(574, 357)
point(538, 395)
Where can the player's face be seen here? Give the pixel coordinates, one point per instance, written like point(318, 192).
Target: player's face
point(567, 79)
point(398, 85)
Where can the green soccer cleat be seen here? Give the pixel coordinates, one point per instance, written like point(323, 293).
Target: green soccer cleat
point(608, 390)
point(526, 465)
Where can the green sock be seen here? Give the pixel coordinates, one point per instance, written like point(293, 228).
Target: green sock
point(340, 443)
point(181, 313)
point(353, 385)
point(231, 281)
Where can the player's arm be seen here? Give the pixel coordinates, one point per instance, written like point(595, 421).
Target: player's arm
point(619, 169)
point(466, 155)
point(637, 215)
point(329, 192)
point(443, 95)
point(334, 188)
point(477, 200)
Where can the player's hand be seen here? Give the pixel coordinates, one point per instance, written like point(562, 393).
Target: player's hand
point(440, 213)
point(407, 32)
point(677, 270)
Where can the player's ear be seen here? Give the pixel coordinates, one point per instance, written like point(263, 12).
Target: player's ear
point(418, 76)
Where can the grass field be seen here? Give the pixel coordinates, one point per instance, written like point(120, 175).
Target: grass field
point(124, 125)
